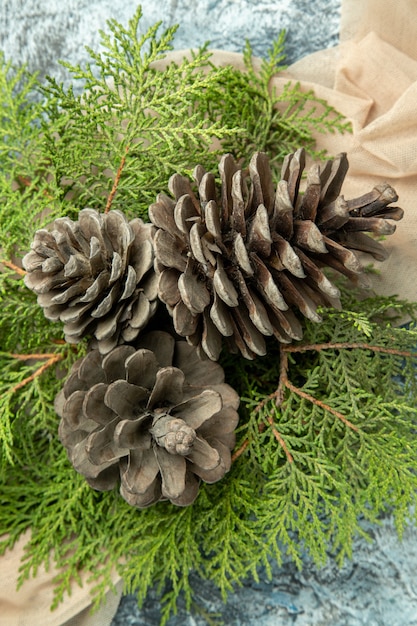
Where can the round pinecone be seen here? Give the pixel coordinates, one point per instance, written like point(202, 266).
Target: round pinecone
point(237, 265)
point(95, 275)
point(157, 418)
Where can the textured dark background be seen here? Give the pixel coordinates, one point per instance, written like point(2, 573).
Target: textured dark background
point(376, 588)
point(40, 32)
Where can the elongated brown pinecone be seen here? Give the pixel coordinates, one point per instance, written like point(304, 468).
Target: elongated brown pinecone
point(95, 275)
point(157, 418)
point(237, 265)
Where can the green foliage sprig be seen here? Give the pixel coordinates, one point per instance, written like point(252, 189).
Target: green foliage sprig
point(132, 104)
point(327, 439)
point(327, 432)
point(275, 121)
point(27, 189)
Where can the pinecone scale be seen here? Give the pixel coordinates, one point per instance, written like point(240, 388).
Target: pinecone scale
point(95, 275)
point(154, 417)
point(235, 265)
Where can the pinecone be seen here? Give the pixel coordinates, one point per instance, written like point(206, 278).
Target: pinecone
point(95, 275)
point(239, 265)
point(156, 417)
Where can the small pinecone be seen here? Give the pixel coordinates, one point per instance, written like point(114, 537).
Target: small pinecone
point(95, 275)
point(239, 265)
point(157, 418)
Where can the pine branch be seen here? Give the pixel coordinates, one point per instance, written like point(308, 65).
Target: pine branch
point(317, 481)
point(27, 392)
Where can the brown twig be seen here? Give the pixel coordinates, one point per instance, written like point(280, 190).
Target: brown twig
point(240, 450)
point(13, 267)
point(322, 405)
point(38, 356)
point(116, 182)
point(284, 383)
point(283, 378)
point(280, 440)
point(24, 181)
point(52, 359)
point(261, 428)
point(278, 395)
point(346, 345)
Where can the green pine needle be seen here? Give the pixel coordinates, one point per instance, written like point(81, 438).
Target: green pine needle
point(309, 495)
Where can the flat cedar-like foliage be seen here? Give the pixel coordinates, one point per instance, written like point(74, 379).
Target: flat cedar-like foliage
point(328, 426)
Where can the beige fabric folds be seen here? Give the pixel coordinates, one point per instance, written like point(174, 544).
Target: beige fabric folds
point(30, 606)
point(371, 77)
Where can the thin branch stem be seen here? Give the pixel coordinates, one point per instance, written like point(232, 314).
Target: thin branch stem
point(284, 383)
point(25, 181)
point(13, 266)
point(240, 450)
point(322, 405)
point(278, 395)
point(116, 182)
point(283, 378)
point(346, 345)
point(36, 355)
point(280, 440)
point(52, 359)
point(261, 428)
